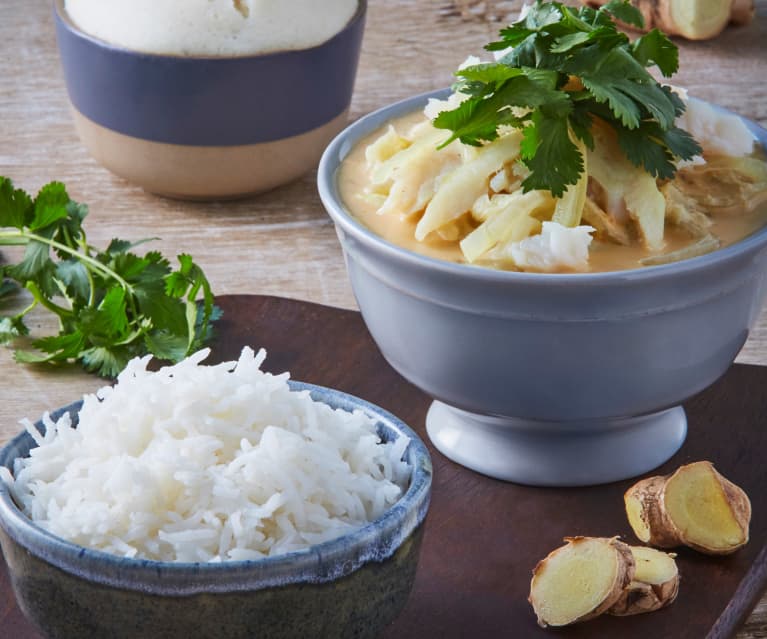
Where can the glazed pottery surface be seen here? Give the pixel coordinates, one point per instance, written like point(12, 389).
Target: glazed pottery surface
point(549, 379)
point(204, 127)
point(348, 587)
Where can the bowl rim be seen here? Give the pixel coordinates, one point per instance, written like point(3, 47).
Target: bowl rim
point(61, 14)
point(346, 140)
point(316, 564)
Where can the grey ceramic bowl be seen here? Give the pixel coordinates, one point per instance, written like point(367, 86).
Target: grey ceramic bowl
point(349, 587)
point(549, 379)
point(208, 127)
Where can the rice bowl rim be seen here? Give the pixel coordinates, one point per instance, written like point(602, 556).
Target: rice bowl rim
point(326, 562)
point(343, 144)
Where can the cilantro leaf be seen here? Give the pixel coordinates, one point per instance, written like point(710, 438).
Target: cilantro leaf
point(476, 119)
point(106, 321)
point(36, 258)
point(161, 309)
point(166, 345)
point(63, 347)
point(550, 154)
point(580, 122)
point(112, 305)
point(7, 287)
point(74, 276)
point(625, 12)
point(655, 158)
point(655, 48)
point(11, 328)
point(106, 361)
point(564, 68)
point(488, 74)
point(15, 205)
point(681, 143)
point(50, 206)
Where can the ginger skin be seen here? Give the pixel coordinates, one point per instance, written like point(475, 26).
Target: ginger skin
point(605, 567)
point(691, 19)
point(695, 507)
point(590, 576)
point(655, 584)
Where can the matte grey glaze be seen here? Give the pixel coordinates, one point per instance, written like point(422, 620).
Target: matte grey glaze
point(572, 348)
point(206, 100)
point(567, 453)
point(352, 586)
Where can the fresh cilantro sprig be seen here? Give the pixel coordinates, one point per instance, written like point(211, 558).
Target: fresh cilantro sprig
point(565, 68)
point(111, 304)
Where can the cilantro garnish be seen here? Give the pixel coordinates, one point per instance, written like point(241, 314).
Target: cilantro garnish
point(112, 305)
point(566, 67)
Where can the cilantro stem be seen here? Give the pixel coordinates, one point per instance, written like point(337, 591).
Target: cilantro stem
point(545, 53)
point(23, 312)
point(111, 305)
point(83, 257)
point(37, 294)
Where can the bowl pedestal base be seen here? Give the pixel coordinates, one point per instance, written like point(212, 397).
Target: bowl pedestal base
point(542, 453)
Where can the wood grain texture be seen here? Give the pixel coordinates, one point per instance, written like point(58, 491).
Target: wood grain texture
point(282, 243)
point(482, 536)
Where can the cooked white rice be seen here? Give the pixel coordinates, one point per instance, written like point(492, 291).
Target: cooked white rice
point(206, 463)
point(212, 27)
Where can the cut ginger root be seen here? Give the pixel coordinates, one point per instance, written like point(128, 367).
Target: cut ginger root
point(655, 584)
point(691, 19)
point(695, 507)
point(580, 580)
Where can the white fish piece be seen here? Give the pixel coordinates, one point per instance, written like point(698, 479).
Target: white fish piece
point(718, 132)
point(557, 247)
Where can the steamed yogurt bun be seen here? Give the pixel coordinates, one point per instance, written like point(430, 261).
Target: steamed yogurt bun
point(212, 27)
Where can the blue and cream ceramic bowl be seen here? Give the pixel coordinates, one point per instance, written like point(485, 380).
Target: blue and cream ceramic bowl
point(549, 379)
point(352, 586)
point(208, 127)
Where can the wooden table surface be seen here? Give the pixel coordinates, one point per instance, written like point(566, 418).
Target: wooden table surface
point(282, 243)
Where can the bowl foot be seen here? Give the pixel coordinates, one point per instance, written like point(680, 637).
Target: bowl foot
point(542, 453)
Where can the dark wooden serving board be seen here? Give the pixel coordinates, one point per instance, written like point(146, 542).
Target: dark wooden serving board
point(483, 537)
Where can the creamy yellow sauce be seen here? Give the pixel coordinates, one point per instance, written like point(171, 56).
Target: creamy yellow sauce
point(354, 185)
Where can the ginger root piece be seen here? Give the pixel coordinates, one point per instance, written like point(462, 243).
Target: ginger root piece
point(580, 580)
point(691, 19)
point(655, 584)
point(695, 507)
point(742, 12)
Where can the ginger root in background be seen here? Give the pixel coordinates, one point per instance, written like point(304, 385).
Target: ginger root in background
point(691, 19)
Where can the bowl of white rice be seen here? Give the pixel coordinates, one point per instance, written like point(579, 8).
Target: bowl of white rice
point(213, 501)
point(209, 99)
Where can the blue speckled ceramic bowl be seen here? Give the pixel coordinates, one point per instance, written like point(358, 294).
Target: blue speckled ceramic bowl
point(208, 127)
point(549, 379)
point(349, 587)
